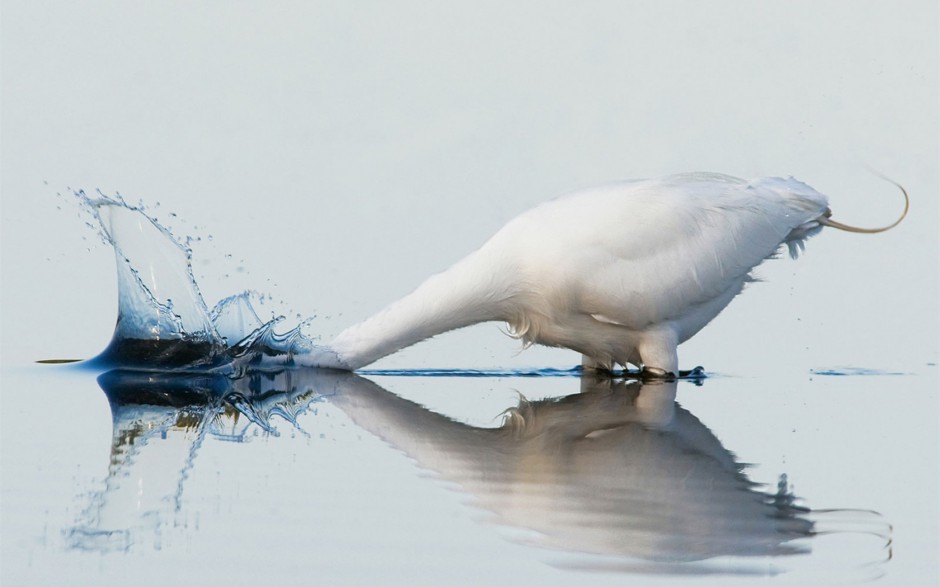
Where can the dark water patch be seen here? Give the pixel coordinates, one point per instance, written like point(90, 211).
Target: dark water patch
point(482, 373)
point(163, 389)
point(179, 352)
point(695, 375)
point(854, 372)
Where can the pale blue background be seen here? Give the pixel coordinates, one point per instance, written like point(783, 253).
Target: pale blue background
point(342, 152)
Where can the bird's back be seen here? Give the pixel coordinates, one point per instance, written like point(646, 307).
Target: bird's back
point(644, 252)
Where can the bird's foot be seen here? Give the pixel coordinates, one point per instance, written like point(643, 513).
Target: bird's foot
point(694, 373)
point(656, 374)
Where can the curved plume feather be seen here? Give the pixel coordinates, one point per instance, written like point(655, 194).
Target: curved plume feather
point(827, 221)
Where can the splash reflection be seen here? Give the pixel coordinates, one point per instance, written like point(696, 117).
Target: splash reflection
point(618, 471)
point(159, 423)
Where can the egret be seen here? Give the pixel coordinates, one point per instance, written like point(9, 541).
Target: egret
point(622, 273)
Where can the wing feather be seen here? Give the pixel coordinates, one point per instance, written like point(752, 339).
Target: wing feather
point(644, 252)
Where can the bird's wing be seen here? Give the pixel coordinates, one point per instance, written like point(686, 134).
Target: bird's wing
point(648, 252)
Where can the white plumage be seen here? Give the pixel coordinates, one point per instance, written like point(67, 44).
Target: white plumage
point(622, 273)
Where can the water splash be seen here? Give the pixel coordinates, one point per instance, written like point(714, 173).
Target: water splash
point(163, 320)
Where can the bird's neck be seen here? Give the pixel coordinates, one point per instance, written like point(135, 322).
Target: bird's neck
point(470, 292)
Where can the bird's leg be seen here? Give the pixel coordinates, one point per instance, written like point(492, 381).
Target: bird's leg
point(656, 374)
point(658, 354)
point(656, 403)
point(653, 374)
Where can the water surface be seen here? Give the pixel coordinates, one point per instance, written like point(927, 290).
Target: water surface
point(337, 475)
point(191, 440)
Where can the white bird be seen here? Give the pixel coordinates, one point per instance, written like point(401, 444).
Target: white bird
point(622, 273)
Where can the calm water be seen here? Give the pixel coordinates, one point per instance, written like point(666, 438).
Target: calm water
point(133, 477)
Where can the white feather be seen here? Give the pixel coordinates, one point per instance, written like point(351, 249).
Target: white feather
point(622, 273)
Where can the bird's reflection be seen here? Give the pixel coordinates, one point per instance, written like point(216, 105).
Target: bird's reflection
point(618, 469)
